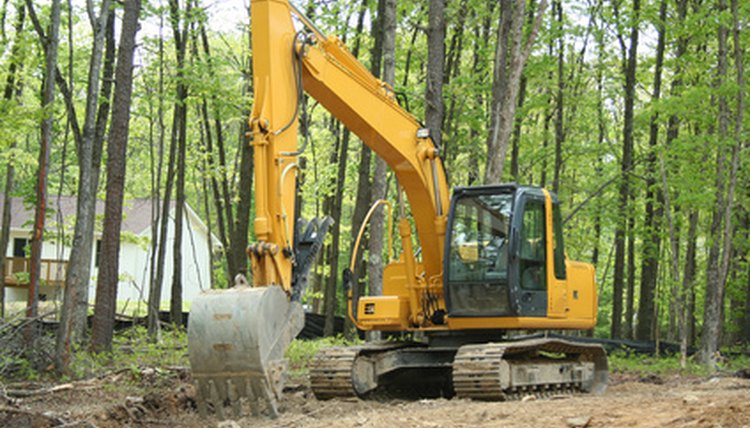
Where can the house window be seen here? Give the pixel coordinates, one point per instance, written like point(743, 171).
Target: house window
point(19, 247)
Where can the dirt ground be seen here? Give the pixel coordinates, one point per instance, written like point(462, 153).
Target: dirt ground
point(163, 399)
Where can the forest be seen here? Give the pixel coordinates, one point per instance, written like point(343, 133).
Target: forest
point(631, 111)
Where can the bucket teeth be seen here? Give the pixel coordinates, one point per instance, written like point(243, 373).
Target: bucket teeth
point(254, 397)
point(234, 397)
point(217, 386)
point(202, 392)
point(270, 397)
point(219, 392)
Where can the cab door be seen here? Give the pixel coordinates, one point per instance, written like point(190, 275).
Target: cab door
point(529, 255)
point(476, 258)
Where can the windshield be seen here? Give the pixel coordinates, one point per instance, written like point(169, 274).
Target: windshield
point(479, 239)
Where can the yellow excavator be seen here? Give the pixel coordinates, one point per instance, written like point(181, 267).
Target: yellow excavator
point(484, 262)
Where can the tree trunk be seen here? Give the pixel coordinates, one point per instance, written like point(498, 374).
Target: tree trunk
point(745, 326)
point(204, 194)
point(241, 226)
point(106, 286)
point(516, 142)
point(238, 225)
point(178, 119)
point(630, 283)
point(379, 184)
point(480, 46)
point(675, 265)
point(208, 153)
point(364, 190)
point(714, 298)
point(652, 219)
point(626, 166)
point(156, 221)
point(601, 131)
point(727, 248)
point(518, 123)
point(180, 37)
point(154, 296)
point(510, 58)
point(340, 182)
point(434, 105)
point(175, 302)
point(78, 273)
point(377, 228)
point(680, 292)
point(48, 97)
point(688, 278)
point(360, 210)
point(452, 70)
point(12, 90)
point(559, 119)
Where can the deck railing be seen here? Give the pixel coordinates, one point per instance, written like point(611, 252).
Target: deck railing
point(17, 271)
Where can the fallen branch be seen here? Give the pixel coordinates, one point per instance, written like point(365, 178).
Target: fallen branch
point(4, 399)
point(17, 325)
point(24, 393)
point(56, 420)
point(77, 424)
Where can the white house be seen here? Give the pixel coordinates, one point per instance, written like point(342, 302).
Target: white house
point(135, 250)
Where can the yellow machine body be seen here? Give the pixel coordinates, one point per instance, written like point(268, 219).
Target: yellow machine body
point(572, 302)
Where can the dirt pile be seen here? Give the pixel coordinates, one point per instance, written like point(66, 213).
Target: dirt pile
point(152, 408)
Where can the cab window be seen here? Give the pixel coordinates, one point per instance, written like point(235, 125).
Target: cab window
point(532, 251)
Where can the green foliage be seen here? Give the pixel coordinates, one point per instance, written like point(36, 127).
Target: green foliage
point(301, 352)
point(642, 365)
point(143, 242)
point(132, 349)
point(22, 368)
point(620, 362)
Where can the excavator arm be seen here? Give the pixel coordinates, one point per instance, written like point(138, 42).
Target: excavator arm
point(368, 108)
point(284, 59)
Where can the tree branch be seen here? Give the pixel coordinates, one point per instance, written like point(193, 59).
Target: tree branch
point(60, 81)
point(37, 24)
point(534, 30)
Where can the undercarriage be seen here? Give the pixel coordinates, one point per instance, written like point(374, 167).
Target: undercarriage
point(494, 371)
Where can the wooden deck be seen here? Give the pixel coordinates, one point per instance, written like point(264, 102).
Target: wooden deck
point(17, 272)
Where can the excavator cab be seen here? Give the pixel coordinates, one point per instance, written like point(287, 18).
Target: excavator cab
point(496, 259)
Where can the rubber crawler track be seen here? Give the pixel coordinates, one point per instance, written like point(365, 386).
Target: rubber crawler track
point(476, 369)
point(331, 373)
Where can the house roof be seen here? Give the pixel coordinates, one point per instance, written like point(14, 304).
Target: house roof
point(136, 216)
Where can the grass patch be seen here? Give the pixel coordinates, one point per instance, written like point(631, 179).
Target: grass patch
point(301, 352)
point(132, 349)
point(620, 362)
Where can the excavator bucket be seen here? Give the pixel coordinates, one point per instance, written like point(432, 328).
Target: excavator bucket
point(236, 344)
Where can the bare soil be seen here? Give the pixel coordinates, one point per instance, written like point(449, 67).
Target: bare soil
point(158, 398)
